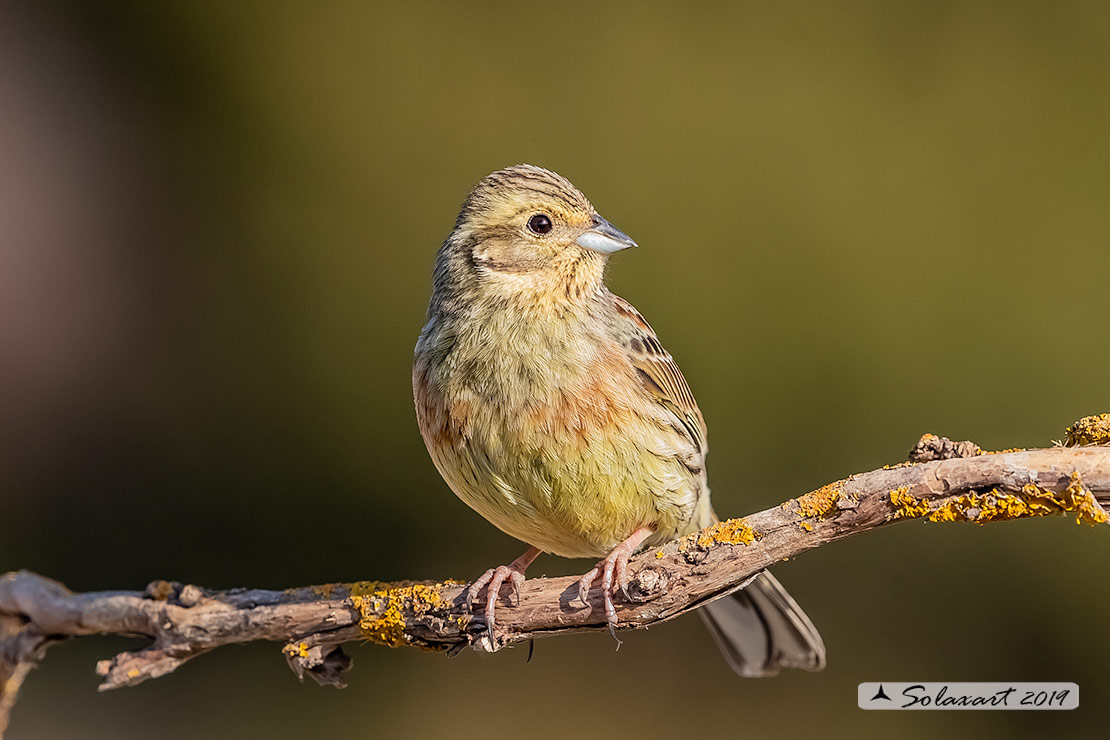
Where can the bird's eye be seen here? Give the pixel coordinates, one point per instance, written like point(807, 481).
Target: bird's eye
point(539, 223)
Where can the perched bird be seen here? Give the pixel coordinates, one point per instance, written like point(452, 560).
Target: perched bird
point(549, 406)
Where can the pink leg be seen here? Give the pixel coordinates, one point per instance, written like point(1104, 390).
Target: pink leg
point(495, 577)
point(615, 562)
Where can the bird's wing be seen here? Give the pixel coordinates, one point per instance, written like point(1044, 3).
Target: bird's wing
point(658, 371)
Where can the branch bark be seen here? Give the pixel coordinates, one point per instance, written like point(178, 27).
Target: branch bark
point(184, 621)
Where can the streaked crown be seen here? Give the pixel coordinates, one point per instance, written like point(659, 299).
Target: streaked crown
point(502, 194)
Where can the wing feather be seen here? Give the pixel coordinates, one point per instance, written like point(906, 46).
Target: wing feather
point(658, 371)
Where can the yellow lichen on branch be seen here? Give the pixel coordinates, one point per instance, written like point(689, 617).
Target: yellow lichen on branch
point(999, 506)
point(907, 506)
point(1090, 430)
point(296, 650)
point(817, 504)
point(728, 532)
point(1078, 498)
point(385, 608)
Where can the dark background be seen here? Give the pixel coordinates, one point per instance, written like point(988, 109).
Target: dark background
point(858, 223)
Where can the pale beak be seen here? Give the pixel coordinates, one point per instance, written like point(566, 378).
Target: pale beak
point(605, 238)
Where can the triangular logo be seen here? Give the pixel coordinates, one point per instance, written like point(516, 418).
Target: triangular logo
point(881, 695)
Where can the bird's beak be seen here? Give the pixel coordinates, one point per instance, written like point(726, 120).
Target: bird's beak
point(605, 238)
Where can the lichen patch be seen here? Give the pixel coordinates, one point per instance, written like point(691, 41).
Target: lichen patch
point(1090, 430)
point(728, 532)
point(907, 506)
point(383, 608)
point(818, 504)
point(998, 505)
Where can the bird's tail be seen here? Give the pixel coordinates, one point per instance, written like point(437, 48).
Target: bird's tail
point(761, 629)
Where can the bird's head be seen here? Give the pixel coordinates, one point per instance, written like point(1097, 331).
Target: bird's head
point(525, 229)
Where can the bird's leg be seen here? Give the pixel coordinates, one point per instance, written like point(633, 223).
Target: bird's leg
point(494, 577)
point(615, 563)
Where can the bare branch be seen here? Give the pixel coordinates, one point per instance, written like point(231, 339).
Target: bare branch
point(184, 621)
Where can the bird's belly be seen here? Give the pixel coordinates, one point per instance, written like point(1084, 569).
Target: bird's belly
point(574, 493)
point(570, 457)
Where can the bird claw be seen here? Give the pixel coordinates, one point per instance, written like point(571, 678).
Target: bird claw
point(585, 583)
point(613, 567)
point(494, 578)
point(613, 571)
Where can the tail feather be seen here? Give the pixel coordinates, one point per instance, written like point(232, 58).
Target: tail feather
point(761, 629)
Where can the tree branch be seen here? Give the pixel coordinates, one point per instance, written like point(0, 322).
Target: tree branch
point(946, 481)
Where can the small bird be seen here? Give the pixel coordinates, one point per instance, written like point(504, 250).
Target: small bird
point(549, 407)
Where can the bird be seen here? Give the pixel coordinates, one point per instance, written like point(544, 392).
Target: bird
point(550, 407)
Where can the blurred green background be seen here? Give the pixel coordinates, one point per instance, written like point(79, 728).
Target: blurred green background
point(859, 222)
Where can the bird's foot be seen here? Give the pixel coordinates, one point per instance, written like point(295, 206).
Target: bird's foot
point(613, 571)
point(494, 578)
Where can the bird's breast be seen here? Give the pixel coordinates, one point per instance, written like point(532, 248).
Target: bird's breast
point(551, 437)
point(514, 384)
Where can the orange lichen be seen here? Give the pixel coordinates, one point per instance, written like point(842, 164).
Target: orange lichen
point(818, 504)
point(1090, 430)
point(996, 506)
point(908, 506)
point(1078, 498)
point(1000, 506)
point(296, 650)
point(728, 532)
point(953, 511)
